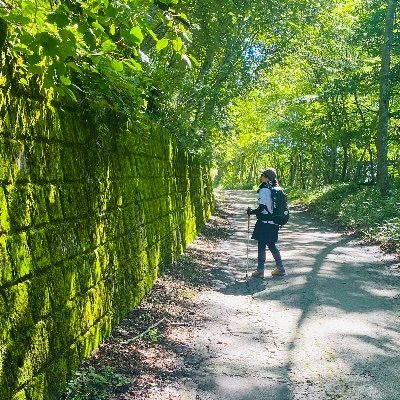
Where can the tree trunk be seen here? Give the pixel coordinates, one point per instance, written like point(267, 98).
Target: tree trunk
point(371, 165)
point(332, 175)
point(345, 164)
point(293, 169)
point(302, 177)
point(384, 98)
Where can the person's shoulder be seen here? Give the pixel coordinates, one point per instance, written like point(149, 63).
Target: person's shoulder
point(264, 190)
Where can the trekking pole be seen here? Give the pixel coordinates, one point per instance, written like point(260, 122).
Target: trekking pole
point(247, 247)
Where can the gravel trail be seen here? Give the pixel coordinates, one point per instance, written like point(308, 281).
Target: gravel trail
point(329, 329)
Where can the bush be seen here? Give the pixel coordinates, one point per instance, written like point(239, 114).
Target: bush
point(361, 209)
point(90, 384)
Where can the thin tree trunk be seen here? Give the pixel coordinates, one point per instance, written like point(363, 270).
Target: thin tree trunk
point(302, 177)
point(360, 166)
point(384, 98)
point(371, 165)
point(345, 163)
point(293, 169)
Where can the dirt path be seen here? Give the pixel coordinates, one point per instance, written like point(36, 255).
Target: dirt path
point(330, 329)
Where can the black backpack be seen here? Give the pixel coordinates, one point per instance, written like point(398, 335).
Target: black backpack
point(280, 210)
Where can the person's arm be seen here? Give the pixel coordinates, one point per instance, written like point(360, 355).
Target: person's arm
point(263, 203)
point(257, 210)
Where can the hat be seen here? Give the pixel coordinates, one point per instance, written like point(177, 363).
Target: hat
point(270, 173)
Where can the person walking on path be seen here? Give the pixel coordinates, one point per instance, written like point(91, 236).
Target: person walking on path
point(265, 230)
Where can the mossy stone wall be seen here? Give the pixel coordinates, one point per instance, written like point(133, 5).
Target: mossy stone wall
point(89, 211)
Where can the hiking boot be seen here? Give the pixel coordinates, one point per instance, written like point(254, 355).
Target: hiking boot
point(257, 274)
point(278, 272)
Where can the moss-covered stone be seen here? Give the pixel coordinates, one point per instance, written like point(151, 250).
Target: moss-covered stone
point(89, 212)
point(4, 219)
point(19, 254)
point(37, 389)
point(6, 268)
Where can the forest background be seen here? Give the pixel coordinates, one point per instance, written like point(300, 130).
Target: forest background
point(298, 85)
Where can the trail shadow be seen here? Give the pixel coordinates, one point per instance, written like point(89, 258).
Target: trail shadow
point(249, 286)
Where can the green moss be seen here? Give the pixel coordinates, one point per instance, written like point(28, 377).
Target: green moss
point(70, 201)
point(9, 152)
point(39, 249)
point(36, 352)
point(37, 389)
point(17, 300)
point(53, 203)
point(19, 254)
point(39, 207)
point(40, 297)
point(59, 291)
point(20, 396)
point(84, 230)
point(6, 270)
point(58, 242)
point(4, 219)
point(56, 377)
point(85, 278)
point(19, 201)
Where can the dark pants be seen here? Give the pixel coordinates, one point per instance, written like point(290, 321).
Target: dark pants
point(262, 245)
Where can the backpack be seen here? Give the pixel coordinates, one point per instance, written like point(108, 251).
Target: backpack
point(280, 210)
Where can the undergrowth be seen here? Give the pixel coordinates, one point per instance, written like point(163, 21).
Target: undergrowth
point(358, 208)
point(89, 384)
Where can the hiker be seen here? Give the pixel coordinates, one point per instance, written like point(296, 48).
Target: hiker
point(265, 230)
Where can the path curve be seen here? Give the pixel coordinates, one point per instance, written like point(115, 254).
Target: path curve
point(328, 330)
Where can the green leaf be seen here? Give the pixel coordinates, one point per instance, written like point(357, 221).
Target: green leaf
point(111, 11)
point(60, 68)
point(137, 33)
point(48, 81)
point(26, 38)
point(133, 64)
point(177, 44)
point(108, 46)
point(152, 34)
point(50, 46)
point(34, 59)
point(65, 80)
point(75, 67)
point(97, 26)
point(90, 39)
point(19, 19)
point(22, 49)
point(112, 29)
point(117, 65)
point(68, 44)
point(70, 93)
point(195, 61)
point(61, 20)
point(162, 44)
point(36, 69)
